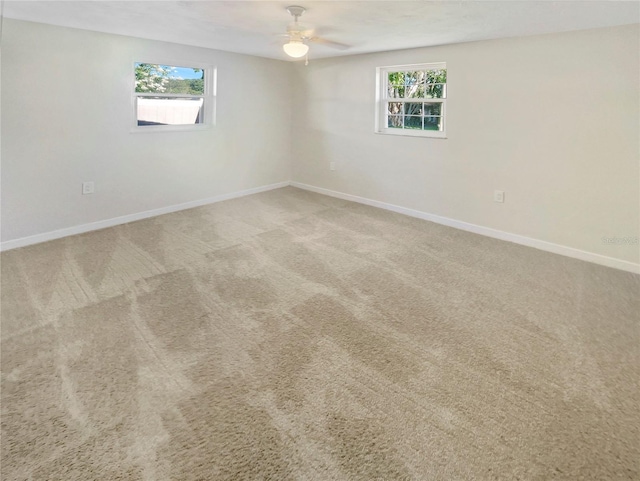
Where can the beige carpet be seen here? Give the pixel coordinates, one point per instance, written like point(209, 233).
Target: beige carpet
point(289, 335)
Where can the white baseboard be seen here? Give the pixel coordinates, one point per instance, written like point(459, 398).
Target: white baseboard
point(486, 231)
point(80, 229)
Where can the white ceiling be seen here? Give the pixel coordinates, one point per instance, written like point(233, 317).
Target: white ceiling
point(367, 26)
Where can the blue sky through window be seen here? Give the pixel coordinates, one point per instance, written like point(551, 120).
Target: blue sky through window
point(187, 73)
point(181, 72)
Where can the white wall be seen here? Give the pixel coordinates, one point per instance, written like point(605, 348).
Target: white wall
point(552, 120)
point(66, 117)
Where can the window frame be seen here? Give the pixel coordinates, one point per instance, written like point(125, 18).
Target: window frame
point(382, 101)
point(209, 97)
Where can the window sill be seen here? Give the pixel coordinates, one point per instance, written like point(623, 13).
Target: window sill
point(169, 128)
point(409, 133)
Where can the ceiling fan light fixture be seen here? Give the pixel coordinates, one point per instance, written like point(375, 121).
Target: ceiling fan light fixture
point(295, 49)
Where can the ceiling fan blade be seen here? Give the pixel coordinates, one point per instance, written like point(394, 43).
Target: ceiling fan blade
point(329, 43)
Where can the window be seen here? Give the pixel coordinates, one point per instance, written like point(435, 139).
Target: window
point(411, 100)
point(168, 97)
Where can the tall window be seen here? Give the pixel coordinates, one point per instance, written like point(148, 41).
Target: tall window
point(411, 100)
point(168, 97)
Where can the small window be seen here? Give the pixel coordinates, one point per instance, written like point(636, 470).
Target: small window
point(168, 97)
point(411, 100)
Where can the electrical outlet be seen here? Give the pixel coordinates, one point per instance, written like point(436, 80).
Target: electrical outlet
point(498, 195)
point(332, 166)
point(87, 188)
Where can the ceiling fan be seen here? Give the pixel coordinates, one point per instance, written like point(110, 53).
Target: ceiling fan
point(299, 35)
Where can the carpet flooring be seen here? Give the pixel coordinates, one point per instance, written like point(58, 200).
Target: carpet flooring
point(289, 335)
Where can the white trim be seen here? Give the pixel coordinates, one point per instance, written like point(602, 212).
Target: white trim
point(457, 224)
point(414, 66)
point(170, 128)
point(102, 224)
point(486, 231)
point(434, 134)
point(170, 96)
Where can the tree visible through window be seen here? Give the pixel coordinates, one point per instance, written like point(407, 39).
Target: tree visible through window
point(411, 100)
point(170, 95)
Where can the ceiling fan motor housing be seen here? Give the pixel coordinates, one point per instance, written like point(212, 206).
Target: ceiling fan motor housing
point(297, 30)
point(296, 10)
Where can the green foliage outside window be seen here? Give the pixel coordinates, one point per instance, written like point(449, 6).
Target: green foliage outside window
point(154, 78)
point(429, 84)
point(416, 88)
